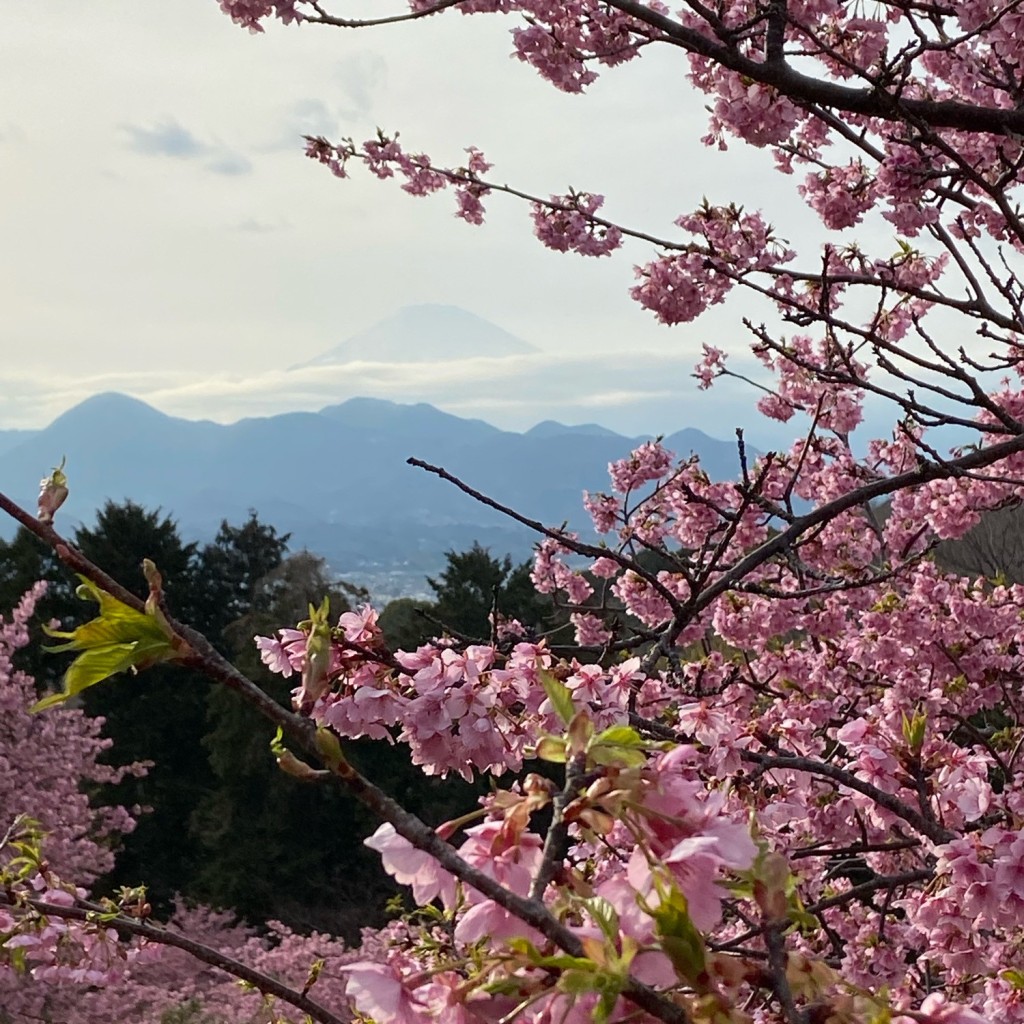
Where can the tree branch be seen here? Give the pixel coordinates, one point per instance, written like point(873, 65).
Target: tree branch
point(806, 89)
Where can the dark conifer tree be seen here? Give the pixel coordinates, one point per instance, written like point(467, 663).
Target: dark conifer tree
point(474, 582)
point(162, 716)
point(255, 824)
point(231, 569)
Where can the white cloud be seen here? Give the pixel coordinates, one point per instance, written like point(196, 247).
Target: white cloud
point(639, 393)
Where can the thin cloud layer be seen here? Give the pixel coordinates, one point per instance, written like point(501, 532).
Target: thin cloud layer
point(643, 393)
point(168, 138)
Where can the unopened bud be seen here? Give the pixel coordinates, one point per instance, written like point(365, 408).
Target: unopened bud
point(291, 765)
point(53, 489)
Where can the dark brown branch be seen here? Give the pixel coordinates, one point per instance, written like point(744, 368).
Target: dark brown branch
point(806, 89)
point(590, 550)
point(841, 777)
point(887, 882)
point(869, 492)
point(556, 842)
point(323, 18)
point(927, 827)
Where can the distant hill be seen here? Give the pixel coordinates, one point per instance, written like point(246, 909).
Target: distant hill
point(426, 333)
point(551, 428)
point(12, 438)
point(336, 479)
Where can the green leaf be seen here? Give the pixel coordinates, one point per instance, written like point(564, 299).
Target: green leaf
point(524, 947)
point(621, 736)
point(604, 916)
point(551, 748)
point(116, 623)
point(682, 943)
point(578, 982)
point(277, 747)
point(99, 663)
point(119, 639)
point(618, 745)
point(605, 755)
point(609, 988)
point(914, 730)
point(560, 696)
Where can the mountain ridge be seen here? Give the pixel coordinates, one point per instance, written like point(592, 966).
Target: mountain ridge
point(337, 479)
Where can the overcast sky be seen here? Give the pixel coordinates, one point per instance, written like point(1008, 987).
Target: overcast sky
point(164, 235)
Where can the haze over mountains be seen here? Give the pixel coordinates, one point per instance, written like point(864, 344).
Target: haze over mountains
point(425, 333)
point(443, 355)
point(336, 479)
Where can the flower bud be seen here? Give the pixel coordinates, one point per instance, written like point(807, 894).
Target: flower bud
point(53, 489)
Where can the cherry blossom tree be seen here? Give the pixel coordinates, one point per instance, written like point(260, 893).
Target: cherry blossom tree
point(70, 970)
point(44, 763)
point(787, 781)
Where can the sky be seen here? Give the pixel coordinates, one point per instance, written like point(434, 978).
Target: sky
point(165, 236)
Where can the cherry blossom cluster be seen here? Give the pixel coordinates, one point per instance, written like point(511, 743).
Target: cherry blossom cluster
point(839, 695)
point(567, 223)
point(384, 156)
point(48, 760)
point(459, 710)
point(670, 819)
point(45, 763)
point(61, 955)
point(162, 985)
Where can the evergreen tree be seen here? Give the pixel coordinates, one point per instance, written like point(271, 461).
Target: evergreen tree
point(474, 583)
point(162, 717)
point(255, 826)
point(405, 623)
point(232, 568)
point(125, 533)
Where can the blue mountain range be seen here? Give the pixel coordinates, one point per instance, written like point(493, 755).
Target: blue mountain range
point(336, 479)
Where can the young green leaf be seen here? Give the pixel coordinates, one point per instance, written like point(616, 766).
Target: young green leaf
point(560, 696)
point(618, 745)
point(329, 748)
point(604, 916)
point(551, 748)
point(681, 941)
point(119, 639)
